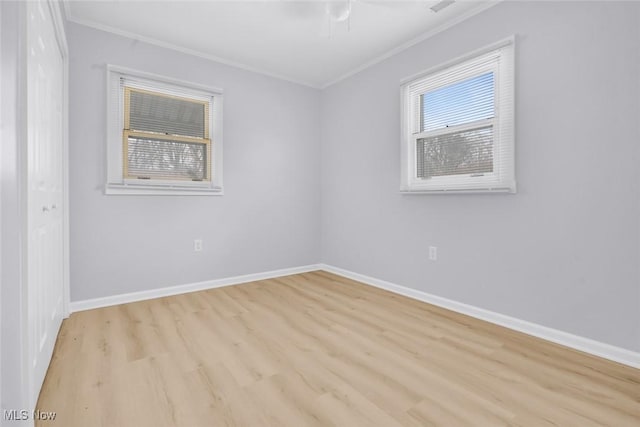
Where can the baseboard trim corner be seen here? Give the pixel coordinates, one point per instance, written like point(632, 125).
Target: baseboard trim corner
point(586, 345)
point(186, 288)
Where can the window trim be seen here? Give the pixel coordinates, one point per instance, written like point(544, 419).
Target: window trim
point(500, 180)
point(116, 182)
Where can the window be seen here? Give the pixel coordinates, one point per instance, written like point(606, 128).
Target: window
point(458, 132)
point(164, 136)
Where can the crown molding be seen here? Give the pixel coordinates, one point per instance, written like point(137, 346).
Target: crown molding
point(422, 37)
point(153, 41)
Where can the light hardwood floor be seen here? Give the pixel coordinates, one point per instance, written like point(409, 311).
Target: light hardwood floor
point(316, 349)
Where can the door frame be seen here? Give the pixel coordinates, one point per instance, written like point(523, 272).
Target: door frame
point(58, 21)
point(30, 394)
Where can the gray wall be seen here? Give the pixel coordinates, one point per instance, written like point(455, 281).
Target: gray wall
point(313, 176)
point(12, 387)
point(564, 251)
point(268, 218)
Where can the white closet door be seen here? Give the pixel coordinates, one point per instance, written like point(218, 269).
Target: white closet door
point(45, 74)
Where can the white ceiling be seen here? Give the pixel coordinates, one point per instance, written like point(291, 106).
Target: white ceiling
point(286, 39)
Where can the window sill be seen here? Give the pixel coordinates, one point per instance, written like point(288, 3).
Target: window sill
point(157, 190)
point(404, 190)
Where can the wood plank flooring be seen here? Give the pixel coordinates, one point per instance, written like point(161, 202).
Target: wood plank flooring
point(316, 349)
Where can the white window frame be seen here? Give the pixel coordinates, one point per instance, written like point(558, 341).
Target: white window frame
point(497, 58)
point(115, 181)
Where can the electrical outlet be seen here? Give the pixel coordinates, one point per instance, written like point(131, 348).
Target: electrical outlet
point(197, 245)
point(433, 253)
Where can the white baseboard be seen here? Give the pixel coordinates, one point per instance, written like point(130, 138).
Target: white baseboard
point(183, 289)
point(596, 348)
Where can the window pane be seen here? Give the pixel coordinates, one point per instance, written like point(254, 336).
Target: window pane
point(166, 115)
point(460, 153)
point(158, 159)
point(458, 103)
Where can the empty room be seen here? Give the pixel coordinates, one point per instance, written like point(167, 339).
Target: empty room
point(319, 213)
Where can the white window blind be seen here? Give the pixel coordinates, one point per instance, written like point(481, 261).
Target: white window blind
point(154, 112)
point(458, 125)
point(458, 103)
point(164, 136)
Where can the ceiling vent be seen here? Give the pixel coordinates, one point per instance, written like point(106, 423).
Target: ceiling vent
point(441, 5)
